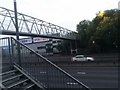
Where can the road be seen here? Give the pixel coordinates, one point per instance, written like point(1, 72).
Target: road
point(95, 74)
point(92, 76)
point(103, 73)
point(95, 77)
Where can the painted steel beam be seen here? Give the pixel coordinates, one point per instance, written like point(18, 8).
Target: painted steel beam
point(4, 32)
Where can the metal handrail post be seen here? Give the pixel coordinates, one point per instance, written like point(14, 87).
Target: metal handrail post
point(12, 50)
point(9, 47)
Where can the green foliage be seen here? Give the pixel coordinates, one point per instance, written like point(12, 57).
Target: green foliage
point(82, 29)
point(102, 33)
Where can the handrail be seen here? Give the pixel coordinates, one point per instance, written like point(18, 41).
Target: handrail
point(58, 68)
point(4, 38)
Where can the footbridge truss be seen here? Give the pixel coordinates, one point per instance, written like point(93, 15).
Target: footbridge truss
point(30, 26)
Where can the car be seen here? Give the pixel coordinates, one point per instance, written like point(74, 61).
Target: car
point(82, 58)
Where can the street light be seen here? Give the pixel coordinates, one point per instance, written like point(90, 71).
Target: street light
point(17, 32)
point(16, 20)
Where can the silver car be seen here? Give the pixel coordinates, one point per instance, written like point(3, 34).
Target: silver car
point(82, 58)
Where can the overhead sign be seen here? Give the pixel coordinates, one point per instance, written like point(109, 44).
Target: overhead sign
point(38, 39)
point(26, 40)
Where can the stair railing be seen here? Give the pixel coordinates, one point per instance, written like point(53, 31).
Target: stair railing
point(43, 70)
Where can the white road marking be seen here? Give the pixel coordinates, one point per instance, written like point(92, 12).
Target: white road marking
point(71, 83)
point(42, 72)
point(81, 72)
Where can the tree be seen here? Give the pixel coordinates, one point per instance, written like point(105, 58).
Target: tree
point(107, 31)
point(82, 29)
point(102, 33)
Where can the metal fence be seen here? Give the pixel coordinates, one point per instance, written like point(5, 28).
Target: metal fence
point(38, 67)
point(5, 54)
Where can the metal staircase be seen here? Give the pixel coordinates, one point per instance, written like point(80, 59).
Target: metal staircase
point(30, 70)
point(15, 78)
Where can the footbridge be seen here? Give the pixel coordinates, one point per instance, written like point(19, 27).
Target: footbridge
point(30, 26)
point(22, 67)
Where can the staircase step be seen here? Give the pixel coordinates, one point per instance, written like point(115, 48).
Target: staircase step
point(5, 68)
point(29, 85)
point(8, 72)
point(17, 83)
point(12, 77)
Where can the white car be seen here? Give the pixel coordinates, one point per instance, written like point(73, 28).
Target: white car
point(82, 58)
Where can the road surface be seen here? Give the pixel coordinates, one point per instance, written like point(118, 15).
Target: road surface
point(95, 77)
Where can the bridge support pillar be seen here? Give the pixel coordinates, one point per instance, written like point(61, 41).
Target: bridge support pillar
point(73, 47)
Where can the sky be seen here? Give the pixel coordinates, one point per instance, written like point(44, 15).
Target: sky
point(65, 13)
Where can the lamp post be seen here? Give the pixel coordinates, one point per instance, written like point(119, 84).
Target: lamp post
point(17, 32)
point(16, 20)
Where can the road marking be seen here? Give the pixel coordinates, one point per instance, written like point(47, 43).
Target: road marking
point(42, 72)
point(71, 83)
point(81, 72)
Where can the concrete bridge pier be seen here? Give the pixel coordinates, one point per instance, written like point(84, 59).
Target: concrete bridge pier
point(73, 47)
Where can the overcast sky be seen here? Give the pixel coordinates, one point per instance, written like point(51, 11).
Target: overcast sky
point(65, 13)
